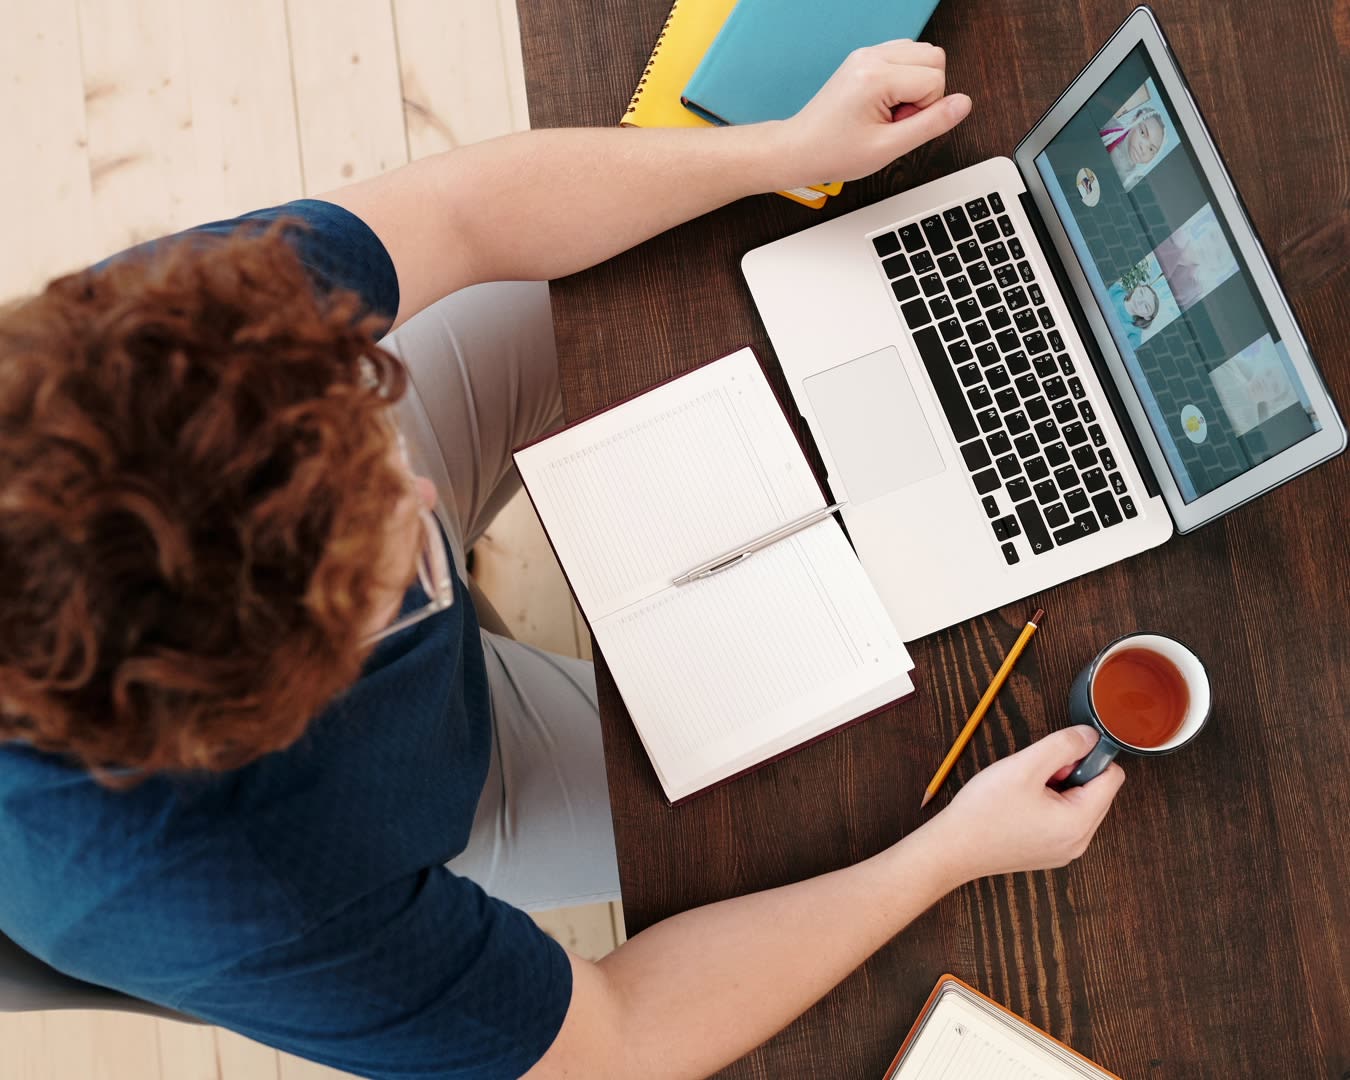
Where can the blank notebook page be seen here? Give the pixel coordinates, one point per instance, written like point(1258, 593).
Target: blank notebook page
point(735, 668)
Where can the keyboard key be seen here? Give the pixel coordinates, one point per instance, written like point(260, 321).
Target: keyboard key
point(990, 505)
point(915, 313)
point(1085, 410)
point(1045, 365)
point(1005, 226)
point(1074, 434)
point(999, 444)
point(977, 209)
point(1127, 506)
point(912, 237)
point(1098, 436)
point(1068, 534)
point(1010, 555)
point(1094, 479)
point(987, 354)
point(1076, 501)
point(941, 307)
point(987, 231)
point(938, 240)
point(969, 309)
point(1037, 297)
point(1108, 460)
point(998, 318)
point(989, 296)
point(1065, 413)
point(1037, 534)
point(1047, 320)
point(1037, 409)
point(931, 285)
point(975, 455)
point(1006, 399)
point(1008, 341)
point(922, 263)
point(969, 374)
point(1076, 387)
point(1057, 343)
point(951, 329)
point(958, 287)
point(969, 250)
point(1047, 431)
point(1025, 272)
point(960, 352)
point(1026, 321)
point(978, 331)
point(1056, 454)
point(1026, 446)
point(1107, 513)
point(1017, 298)
point(979, 273)
point(944, 381)
point(1008, 466)
point(950, 265)
point(1027, 385)
point(896, 265)
point(1066, 477)
point(1036, 468)
point(997, 254)
point(1056, 516)
point(981, 399)
point(886, 244)
point(995, 203)
point(1015, 248)
point(988, 420)
point(1117, 481)
point(1018, 362)
point(1054, 386)
point(1002, 530)
point(1017, 422)
point(997, 376)
point(1035, 343)
point(1086, 523)
point(1046, 492)
point(987, 481)
point(905, 289)
point(1065, 364)
point(1018, 489)
point(1084, 458)
point(957, 224)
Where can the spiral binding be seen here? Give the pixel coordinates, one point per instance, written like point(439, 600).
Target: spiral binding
point(651, 60)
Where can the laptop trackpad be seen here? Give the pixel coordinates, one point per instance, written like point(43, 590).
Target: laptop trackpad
point(874, 426)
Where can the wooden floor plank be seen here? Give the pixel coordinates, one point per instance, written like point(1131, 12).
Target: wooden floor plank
point(587, 930)
point(244, 1059)
point(187, 1051)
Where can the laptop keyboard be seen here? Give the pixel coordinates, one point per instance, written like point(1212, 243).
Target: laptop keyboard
point(1029, 437)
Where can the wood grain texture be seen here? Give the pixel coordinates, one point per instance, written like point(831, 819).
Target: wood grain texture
point(1206, 934)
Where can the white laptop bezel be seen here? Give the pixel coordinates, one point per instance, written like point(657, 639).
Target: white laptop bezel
point(1141, 28)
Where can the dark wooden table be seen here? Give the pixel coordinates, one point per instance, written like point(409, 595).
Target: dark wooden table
point(1207, 931)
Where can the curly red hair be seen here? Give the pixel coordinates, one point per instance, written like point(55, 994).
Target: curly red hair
point(195, 482)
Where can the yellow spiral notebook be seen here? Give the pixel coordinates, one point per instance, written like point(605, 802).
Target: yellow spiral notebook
point(689, 30)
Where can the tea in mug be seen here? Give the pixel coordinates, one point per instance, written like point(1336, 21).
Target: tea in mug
point(1141, 697)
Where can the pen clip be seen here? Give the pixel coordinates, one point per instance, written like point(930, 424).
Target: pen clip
point(725, 565)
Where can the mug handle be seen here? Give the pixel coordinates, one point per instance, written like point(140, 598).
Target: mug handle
point(1092, 766)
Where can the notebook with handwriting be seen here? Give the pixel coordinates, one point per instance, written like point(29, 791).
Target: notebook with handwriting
point(963, 1035)
point(731, 670)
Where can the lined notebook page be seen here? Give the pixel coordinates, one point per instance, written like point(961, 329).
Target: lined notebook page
point(733, 669)
point(965, 1038)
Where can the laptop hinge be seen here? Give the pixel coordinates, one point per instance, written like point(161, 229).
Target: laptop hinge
point(1089, 340)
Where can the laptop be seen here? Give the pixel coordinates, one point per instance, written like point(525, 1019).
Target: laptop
point(1041, 365)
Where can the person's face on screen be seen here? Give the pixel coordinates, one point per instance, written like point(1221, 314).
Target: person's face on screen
point(1142, 304)
point(1145, 139)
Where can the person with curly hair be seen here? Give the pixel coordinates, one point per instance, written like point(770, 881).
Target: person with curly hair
point(260, 762)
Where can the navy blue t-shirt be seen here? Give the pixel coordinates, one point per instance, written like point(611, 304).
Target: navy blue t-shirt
point(303, 900)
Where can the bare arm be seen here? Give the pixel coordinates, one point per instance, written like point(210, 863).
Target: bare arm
point(694, 993)
point(544, 204)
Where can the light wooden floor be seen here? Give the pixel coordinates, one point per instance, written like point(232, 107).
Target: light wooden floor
point(123, 120)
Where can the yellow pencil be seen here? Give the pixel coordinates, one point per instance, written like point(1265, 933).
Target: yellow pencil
point(982, 707)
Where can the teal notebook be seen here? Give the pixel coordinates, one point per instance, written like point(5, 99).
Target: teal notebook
point(771, 56)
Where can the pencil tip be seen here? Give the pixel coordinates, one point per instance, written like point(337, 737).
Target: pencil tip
point(1040, 614)
point(927, 798)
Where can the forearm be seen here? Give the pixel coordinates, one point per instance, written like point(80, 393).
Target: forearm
point(701, 989)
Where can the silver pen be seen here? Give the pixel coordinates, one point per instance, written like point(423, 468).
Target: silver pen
point(740, 554)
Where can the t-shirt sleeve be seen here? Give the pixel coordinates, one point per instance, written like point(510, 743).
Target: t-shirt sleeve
point(338, 249)
point(427, 977)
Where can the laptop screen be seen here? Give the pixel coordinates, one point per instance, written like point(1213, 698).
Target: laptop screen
point(1198, 341)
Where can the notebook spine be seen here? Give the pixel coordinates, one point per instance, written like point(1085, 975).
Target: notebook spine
point(651, 62)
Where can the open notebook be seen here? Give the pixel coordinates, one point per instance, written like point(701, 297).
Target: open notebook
point(963, 1035)
point(728, 671)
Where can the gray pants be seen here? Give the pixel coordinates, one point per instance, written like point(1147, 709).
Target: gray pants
point(484, 376)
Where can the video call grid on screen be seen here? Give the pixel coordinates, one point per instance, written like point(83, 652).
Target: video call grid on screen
point(1197, 340)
